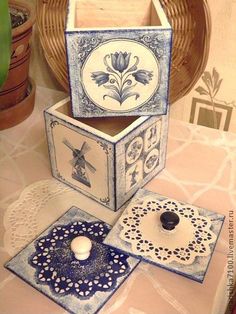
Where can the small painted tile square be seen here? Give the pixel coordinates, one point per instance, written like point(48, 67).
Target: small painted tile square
point(49, 265)
point(142, 155)
point(187, 249)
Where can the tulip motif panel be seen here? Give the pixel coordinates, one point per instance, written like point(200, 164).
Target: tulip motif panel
point(119, 72)
point(122, 76)
point(120, 80)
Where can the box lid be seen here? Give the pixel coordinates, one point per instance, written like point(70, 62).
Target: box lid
point(118, 71)
point(80, 286)
point(173, 235)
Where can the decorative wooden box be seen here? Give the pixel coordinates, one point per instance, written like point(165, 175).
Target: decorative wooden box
point(118, 55)
point(107, 159)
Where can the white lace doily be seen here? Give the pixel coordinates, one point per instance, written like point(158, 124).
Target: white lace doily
point(141, 227)
point(39, 205)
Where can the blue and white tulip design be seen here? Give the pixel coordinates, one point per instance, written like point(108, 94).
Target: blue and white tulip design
point(122, 76)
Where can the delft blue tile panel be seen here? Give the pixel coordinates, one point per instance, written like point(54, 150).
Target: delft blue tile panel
point(91, 173)
point(119, 72)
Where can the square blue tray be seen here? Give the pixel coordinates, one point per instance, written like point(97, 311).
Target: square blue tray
point(49, 265)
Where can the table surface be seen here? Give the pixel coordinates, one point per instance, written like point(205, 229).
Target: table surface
point(200, 169)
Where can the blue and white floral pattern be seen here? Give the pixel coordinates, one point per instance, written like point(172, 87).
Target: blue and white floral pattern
point(121, 76)
point(57, 267)
point(80, 45)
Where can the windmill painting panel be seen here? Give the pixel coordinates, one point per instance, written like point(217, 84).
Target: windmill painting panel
point(81, 161)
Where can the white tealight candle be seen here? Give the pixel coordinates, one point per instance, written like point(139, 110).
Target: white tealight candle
point(81, 247)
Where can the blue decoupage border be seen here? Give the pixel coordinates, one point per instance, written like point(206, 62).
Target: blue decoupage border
point(196, 271)
point(79, 44)
point(21, 266)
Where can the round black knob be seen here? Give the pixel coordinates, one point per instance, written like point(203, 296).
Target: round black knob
point(169, 220)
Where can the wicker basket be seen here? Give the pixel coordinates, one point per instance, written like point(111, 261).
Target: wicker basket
point(191, 24)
